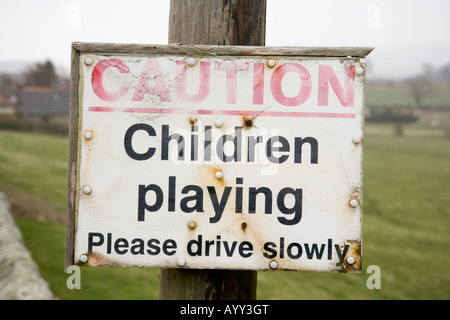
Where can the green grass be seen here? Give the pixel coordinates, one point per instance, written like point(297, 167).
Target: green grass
point(36, 163)
point(405, 223)
point(46, 243)
point(405, 226)
point(388, 94)
point(407, 206)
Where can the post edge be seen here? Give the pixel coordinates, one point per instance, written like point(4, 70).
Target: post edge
point(72, 156)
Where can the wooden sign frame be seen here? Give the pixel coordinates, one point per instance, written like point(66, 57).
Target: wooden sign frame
point(75, 139)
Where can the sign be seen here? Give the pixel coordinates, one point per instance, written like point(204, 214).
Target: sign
point(216, 157)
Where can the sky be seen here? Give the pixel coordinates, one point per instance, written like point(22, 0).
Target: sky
point(405, 33)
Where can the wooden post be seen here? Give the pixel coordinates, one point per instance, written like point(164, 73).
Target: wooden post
point(218, 22)
point(213, 22)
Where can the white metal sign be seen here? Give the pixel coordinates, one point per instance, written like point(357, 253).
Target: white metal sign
point(231, 160)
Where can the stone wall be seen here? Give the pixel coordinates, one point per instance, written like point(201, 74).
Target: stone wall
point(19, 274)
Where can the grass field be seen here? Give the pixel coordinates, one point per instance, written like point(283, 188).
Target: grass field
point(388, 94)
point(405, 223)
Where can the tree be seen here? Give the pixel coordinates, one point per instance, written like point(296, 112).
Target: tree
point(445, 72)
point(421, 85)
point(6, 85)
point(41, 74)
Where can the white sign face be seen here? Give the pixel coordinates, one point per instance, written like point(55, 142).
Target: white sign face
point(222, 162)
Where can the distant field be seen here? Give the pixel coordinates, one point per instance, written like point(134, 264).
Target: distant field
point(405, 223)
point(386, 94)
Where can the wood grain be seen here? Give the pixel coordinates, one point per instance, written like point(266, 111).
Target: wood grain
point(207, 50)
point(73, 159)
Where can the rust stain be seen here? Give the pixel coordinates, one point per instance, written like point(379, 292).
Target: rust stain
point(192, 225)
point(354, 250)
point(96, 259)
point(277, 61)
point(358, 143)
point(193, 119)
point(214, 170)
point(248, 122)
point(88, 144)
point(356, 195)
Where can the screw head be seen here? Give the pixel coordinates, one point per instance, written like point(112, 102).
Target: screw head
point(193, 119)
point(83, 258)
point(273, 264)
point(219, 174)
point(354, 203)
point(359, 71)
point(191, 62)
point(356, 139)
point(192, 225)
point(88, 135)
point(181, 262)
point(271, 63)
point(87, 189)
point(88, 61)
point(218, 123)
point(351, 260)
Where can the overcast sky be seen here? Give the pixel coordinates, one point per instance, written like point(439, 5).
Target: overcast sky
point(405, 33)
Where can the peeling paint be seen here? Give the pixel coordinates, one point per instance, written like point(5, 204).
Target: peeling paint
point(354, 250)
point(356, 195)
point(97, 259)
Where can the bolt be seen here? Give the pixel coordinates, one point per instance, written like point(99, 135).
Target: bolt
point(218, 123)
point(244, 225)
point(191, 62)
point(192, 225)
point(193, 119)
point(219, 174)
point(88, 61)
point(87, 189)
point(351, 260)
point(354, 203)
point(83, 258)
point(181, 262)
point(359, 71)
point(356, 140)
point(88, 135)
point(271, 63)
point(273, 264)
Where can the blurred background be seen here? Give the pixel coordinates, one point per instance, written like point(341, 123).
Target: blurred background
point(407, 136)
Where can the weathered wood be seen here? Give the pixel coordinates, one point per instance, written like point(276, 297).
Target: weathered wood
point(73, 159)
point(218, 22)
point(213, 22)
point(181, 284)
point(207, 50)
